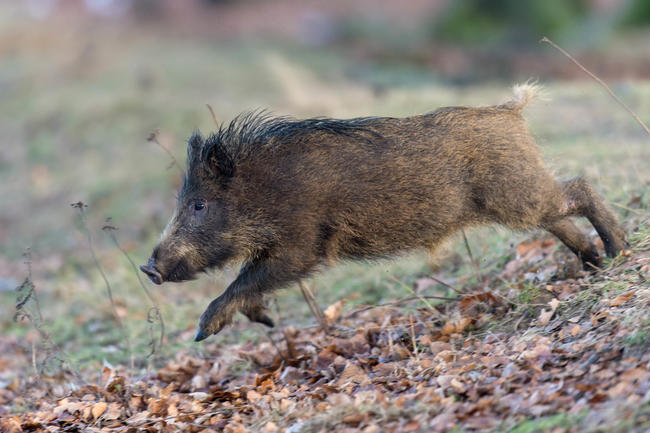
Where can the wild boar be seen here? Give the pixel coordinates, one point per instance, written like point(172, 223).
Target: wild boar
point(285, 197)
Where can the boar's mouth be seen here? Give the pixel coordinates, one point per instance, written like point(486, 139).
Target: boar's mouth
point(180, 272)
point(150, 270)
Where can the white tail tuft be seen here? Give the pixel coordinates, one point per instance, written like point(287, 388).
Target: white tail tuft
point(523, 94)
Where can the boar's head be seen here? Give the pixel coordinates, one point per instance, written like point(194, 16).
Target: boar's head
point(200, 235)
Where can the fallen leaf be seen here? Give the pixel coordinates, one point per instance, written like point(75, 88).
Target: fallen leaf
point(575, 330)
point(456, 326)
point(621, 299)
point(445, 355)
point(333, 312)
point(98, 409)
point(11, 425)
point(158, 406)
point(546, 315)
point(470, 301)
point(353, 373)
point(270, 427)
point(353, 419)
point(535, 250)
point(67, 406)
point(438, 346)
point(253, 396)
point(115, 383)
point(114, 411)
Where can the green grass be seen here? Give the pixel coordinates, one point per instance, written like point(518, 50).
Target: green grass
point(547, 424)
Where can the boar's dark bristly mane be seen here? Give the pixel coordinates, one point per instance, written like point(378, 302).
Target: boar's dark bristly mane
point(248, 132)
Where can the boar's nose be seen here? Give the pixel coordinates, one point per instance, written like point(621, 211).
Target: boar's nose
point(152, 272)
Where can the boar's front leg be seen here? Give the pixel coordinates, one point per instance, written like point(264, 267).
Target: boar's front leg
point(246, 294)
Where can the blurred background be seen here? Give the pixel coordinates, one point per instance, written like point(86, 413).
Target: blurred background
point(84, 83)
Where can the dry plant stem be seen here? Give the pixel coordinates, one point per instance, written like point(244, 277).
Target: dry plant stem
point(420, 297)
point(155, 305)
point(273, 343)
point(471, 258)
point(80, 206)
point(28, 262)
point(396, 303)
point(413, 340)
point(214, 116)
point(291, 352)
point(627, 208)
point(449, 286)
point(154, 137)
point(51, 349)
point(598, 80)
point(34, 358)
point(313, 306)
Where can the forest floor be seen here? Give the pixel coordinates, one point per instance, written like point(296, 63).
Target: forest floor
point(568, 355)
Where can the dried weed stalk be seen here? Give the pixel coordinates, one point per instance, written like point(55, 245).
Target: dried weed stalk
point(472, 259)
point(598, 80)
point(31, 311)
point(153, 137)
point(154, 316)
point(214, 116)
point(80, 206)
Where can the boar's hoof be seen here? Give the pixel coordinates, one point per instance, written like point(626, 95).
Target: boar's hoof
point(218, 314)
point(201, 335)
point(260, 317)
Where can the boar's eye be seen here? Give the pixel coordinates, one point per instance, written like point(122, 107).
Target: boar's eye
point(198, 206)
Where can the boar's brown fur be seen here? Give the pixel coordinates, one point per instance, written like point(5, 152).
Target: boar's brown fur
point(285, 196)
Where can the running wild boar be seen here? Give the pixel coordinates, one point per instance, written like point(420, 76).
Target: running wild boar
point(283, 196)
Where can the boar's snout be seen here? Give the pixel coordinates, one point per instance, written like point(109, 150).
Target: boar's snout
point(151, 271)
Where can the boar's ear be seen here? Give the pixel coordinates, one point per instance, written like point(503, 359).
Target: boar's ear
point(194, 150)
point(217, 158)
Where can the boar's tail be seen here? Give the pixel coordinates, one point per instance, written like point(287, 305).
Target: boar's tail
point(523, 94)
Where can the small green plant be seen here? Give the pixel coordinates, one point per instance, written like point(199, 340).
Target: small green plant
point(547, 424)
point(47, 357)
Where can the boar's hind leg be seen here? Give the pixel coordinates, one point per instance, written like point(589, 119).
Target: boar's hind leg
point(582, 200)
point(577, 242)
point(246, 294)
point(579, 199)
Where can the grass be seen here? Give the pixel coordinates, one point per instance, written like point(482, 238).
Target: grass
point(548, 424)
point(80, 130)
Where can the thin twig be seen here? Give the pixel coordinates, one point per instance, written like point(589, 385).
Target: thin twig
point(27, 291)
point(34, 365)
point(153, 137)
point(313, 306)
point(398, 302)
point(449, 286)
point(284, 333)
point(422, 298)
point(629, 209)
point(598, 80)
point(155, 306)
point(413, 341)
point(471, 258)
point(80, 206)
point(277, 349)
point(291, 352)
point(214, 116)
